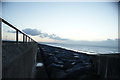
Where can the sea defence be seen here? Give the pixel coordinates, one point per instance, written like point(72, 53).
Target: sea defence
point(103, 66)
point(107, 66)
point(19, 60)
point(62, 64)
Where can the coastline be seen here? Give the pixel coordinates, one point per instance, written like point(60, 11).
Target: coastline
point(101, 62)
point(63, 64)
point(81, 51)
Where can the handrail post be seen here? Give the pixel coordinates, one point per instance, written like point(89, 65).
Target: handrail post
point(23, 38)
point(26, 38)
point(29, 39)
point(16, 36)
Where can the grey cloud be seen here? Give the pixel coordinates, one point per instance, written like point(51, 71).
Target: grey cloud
point(53, 36)
point(33, 32)
point(43, 35)
point(108, 42)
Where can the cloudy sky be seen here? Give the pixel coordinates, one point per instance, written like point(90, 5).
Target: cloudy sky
point(61, 21)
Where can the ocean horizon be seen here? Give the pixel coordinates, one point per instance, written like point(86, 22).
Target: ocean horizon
point(89, 49)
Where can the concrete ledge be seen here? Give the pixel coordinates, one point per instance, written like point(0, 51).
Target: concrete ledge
point(0, 44)
point(19, 60)
point(107, 65)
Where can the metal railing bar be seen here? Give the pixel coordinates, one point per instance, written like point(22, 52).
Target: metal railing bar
point(16, 36)
point(26, 38)
point(23, 38)
point(11, 26)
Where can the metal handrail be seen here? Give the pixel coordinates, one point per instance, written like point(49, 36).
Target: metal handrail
point(25, 36)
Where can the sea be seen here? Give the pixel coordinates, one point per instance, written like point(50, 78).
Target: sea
point(89, 49)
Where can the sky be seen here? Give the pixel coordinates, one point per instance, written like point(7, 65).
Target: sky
point(61, 21)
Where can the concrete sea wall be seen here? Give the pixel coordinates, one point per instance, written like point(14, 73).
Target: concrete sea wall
point(107, 66)
point(19, 60)
point(0, 45)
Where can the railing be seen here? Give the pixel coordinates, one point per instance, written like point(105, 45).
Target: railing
point(26, 38)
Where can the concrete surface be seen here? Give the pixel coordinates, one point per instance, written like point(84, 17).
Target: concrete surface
point(0, 48)
point(107, 66)
point(19, 60)
point(40, 70)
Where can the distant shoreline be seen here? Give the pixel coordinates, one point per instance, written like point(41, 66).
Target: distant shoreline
point(79, 51)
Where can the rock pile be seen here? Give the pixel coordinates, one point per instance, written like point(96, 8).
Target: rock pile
point(65, 64)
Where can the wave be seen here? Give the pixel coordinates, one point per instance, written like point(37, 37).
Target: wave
point(88, 49)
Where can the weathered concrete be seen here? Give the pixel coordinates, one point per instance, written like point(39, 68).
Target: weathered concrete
point(19, 60)
point(40, 70)
point(0, 45)
point(107, 66)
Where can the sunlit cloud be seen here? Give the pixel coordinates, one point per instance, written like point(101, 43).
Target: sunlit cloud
point(35, 32)
point(32, 32)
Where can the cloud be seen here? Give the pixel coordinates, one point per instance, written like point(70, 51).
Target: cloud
point(53, 36)
point(35, 32)
point(32, 32)
point(107, 42)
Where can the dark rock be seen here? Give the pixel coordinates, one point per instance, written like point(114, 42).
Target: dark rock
point(62, 63)
point(58, 66)
point(77, 70)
